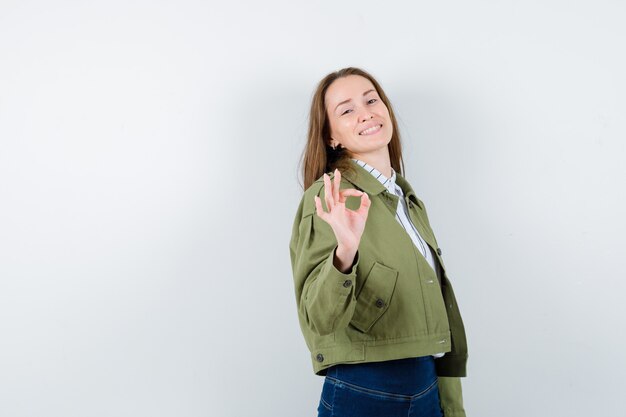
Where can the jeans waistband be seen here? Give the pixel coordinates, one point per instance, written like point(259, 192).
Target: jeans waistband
point(407, 376)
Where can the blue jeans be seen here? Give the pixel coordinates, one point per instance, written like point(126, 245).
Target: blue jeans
point(402, 387)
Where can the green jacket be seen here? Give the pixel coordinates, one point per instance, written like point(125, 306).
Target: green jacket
point(391, 304)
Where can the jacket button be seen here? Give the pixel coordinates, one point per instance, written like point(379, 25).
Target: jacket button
point(439, 251)
point(319, 357)
point(347, 283)
point(380, 303)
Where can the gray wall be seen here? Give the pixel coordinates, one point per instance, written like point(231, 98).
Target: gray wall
point(148, 182)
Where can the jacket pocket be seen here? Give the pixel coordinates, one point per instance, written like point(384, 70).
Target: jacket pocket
point(374, 297)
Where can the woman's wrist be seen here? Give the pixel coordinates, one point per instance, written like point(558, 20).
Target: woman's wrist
point(344, 258)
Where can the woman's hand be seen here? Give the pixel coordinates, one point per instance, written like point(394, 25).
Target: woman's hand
point(348, 225)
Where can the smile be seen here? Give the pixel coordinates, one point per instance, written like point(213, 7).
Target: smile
point(371, 130)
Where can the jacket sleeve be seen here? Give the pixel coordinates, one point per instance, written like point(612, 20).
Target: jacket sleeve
point(325, 299)
point(451, 396)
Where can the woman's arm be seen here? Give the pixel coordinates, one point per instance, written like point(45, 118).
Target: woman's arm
point(324, 294)
point(324, 271)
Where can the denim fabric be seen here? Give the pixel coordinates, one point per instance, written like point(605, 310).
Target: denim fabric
point(395, 388)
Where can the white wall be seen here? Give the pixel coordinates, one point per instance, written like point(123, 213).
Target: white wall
point(148, 183)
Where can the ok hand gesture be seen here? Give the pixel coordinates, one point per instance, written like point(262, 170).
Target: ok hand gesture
point(348, 225)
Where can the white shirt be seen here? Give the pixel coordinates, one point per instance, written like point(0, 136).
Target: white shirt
point(402, 215)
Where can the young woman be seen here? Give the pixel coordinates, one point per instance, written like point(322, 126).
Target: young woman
point(375, 305)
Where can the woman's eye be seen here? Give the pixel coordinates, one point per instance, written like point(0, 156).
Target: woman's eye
point(368, 101)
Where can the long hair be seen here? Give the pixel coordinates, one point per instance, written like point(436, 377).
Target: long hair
point(318, 156)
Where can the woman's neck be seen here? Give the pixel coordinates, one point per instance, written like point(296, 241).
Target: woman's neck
point(380, 161)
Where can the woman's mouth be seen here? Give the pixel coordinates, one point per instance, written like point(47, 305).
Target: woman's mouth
point(371, 130)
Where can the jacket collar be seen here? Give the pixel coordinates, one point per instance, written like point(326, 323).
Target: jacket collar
point(366, 182)
point(406, 188)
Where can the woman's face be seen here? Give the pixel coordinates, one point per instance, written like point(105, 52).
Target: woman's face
point(356, 113)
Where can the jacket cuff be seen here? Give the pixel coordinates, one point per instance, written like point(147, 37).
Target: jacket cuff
point(451, 396)
point(337, 273)
point(338, 287)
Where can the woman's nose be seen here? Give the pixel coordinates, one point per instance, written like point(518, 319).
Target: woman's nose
point(365, 115)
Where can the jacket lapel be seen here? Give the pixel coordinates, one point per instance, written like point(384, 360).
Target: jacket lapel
point(416, 211)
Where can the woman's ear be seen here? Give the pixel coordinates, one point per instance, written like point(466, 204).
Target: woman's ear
point(334, 144)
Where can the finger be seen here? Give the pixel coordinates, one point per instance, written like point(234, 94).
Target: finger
point(337, 183)
point(365, 205)
point(328, 193)
point(348, 192)
point(351, 191)
point(319, 209)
